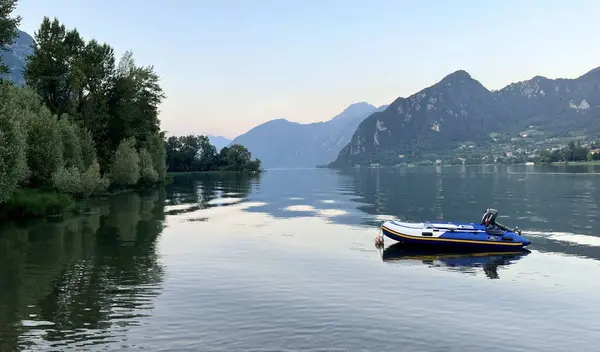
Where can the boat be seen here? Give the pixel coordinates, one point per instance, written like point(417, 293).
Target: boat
point(488, 234)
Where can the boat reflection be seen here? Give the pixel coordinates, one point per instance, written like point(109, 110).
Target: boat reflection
point(453, 259)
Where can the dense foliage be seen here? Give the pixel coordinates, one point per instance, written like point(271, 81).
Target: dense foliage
point(574, 152)
point(83, 123)
point(196, 153)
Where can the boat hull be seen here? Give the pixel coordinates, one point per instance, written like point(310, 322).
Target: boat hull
point(465, 235)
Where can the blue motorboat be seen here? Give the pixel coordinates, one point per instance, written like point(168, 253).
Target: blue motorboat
point(488, 234)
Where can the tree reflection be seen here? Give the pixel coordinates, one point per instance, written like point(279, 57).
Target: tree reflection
point(87, 276)
point(199, 189)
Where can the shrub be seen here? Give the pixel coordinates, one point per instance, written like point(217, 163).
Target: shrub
point(147, 173)
point(30, 203)
point(92, 183)
point(125, 168)
point(67, 180)
point(70, 180)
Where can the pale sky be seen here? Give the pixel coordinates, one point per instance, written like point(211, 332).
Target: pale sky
point(229, 65)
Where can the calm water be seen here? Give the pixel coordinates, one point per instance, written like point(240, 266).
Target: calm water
point(287, 262)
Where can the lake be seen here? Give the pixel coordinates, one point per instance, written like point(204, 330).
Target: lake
point(287, 261)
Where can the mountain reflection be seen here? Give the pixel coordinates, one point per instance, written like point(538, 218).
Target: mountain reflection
point(83, 279)
point(459, 261)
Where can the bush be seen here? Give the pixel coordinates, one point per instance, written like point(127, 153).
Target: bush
point(67, 180)
point(71, 181)
point(92, 183)
point(125, 168)
point(147, 173)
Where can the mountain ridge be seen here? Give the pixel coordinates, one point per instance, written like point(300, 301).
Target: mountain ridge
point(219, 141)
point(281, 143)
point(459, 109)
point(15, 57)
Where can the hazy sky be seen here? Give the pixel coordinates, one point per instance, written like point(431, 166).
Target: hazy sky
point(228, 66)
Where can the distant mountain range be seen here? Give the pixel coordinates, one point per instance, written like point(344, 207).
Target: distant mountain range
point(219, 142)
point(458, 109)
point(15, 56)
point(284, 144)
point(428, 124)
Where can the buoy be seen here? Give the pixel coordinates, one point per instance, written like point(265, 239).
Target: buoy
point(379, 241)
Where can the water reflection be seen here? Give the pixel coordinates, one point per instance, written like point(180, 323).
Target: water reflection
point(192, 192)
point(540, 200)
point(84, 280)
point(457, 261)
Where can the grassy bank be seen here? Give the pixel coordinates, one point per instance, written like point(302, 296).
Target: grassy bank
point(45, 202)
point(27, 203)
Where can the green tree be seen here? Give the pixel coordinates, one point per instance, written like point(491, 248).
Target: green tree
point(125, 168)
point(8, 28)
point(49, 69)
point(81, 79)
point(88, 150)
point(13, 142)
point(133, 102)
point(206, 154)
point(156, 148)
point(71, 142)
point(235, 157)
point(44, 147)
point(148, 174)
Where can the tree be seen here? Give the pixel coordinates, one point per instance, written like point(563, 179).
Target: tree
point(196, 153)
point(133, 102)
point(13, 143)
point(8, 27)
point(71, 142)
point(44, 147)
point(206, 154)
point(234, 158)
point(81, 80)
point(125, 168)
point(147, 172)
point(49, 70)
point(156, 148)
point(88, 150)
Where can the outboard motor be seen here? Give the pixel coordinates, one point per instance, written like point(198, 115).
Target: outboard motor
point(489, 221)
point(489, 217)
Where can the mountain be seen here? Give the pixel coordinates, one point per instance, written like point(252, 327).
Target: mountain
point(283, 144)
point(459, 110)
point(219, 142)
point(15, 55)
